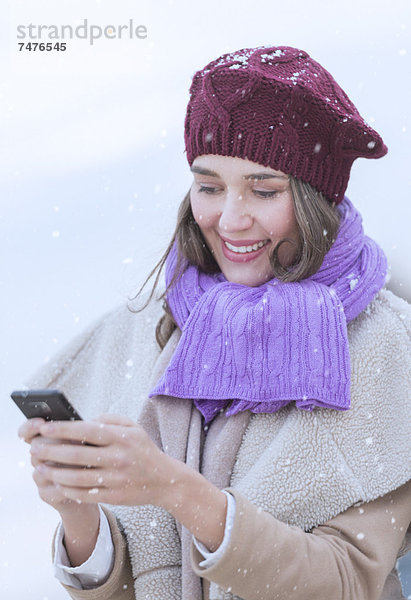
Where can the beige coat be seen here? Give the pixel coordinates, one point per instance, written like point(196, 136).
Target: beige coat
point(296, 475)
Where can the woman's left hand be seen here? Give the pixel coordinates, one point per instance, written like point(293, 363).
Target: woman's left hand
point(114, 461)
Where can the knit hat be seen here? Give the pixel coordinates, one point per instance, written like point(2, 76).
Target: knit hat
point(278, 107)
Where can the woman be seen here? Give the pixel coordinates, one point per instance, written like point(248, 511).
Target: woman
point(257, 441)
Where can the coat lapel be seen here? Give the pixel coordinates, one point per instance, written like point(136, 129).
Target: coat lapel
point(175, 425)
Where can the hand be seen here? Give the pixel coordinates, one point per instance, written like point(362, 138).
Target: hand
point(80, 521)
point(122, 465)
point(111, 460)
point(48, 491)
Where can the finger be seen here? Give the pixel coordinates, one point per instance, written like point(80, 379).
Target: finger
point(49, 492)
point(40, 478)
point(39, 443)
point(87, 432)
point(79, 478)
point(68, 453)
point(35, 461)
point(91, 495)
point(110, 419)
point(88, 495)
point(39, 440)
point(29, 429)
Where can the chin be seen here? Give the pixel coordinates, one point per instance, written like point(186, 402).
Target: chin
point(248, 279)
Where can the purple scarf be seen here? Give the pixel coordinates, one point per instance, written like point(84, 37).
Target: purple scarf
point(261, 348)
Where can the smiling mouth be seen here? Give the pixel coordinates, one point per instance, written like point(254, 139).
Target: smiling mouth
point(245, 249)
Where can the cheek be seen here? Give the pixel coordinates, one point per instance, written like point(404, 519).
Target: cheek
point(282, 222)
point(203, 212)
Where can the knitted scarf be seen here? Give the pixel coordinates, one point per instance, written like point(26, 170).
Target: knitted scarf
point(260, 348)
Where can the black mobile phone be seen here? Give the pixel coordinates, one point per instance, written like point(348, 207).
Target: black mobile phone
point(51, 405)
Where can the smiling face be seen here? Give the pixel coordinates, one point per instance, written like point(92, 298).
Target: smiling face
point(243, 210)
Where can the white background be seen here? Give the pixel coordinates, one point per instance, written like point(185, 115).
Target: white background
point(92, 170)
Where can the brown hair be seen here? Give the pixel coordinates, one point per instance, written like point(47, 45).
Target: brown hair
point(317, 219)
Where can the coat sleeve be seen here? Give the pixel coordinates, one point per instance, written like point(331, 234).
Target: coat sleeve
point(120, 584)
point(348, 557)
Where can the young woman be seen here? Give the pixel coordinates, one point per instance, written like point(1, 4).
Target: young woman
point(257, 445)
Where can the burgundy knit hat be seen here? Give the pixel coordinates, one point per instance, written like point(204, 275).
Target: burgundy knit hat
point(278, 107)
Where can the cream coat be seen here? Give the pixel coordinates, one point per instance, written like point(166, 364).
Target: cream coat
point(302, 468)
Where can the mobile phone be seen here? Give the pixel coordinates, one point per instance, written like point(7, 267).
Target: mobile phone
point(51, 405)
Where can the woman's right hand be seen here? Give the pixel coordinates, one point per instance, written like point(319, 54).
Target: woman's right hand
point(80, 521)
point(48, 491)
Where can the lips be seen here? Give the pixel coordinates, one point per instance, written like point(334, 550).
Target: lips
point(242, 257)
point(239, 243)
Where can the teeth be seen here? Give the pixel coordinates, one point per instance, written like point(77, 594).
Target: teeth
point(244, 249)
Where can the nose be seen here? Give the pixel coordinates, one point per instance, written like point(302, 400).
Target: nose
point(235, 215)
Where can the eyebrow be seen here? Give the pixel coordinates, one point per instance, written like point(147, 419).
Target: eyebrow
point(202, 171)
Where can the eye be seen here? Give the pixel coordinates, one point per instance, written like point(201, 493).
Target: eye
point(207, 190)
point(262, 194)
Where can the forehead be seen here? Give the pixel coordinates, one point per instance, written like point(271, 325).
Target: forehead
point(232, 165)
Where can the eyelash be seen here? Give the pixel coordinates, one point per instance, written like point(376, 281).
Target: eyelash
point(259, 193)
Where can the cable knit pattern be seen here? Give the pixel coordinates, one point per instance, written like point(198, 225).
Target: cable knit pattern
point(278, 107)
point(265, 346)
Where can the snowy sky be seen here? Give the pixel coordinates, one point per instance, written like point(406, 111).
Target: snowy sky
point(92, 169)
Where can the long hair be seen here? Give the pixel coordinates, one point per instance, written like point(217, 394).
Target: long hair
point(317, 220)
